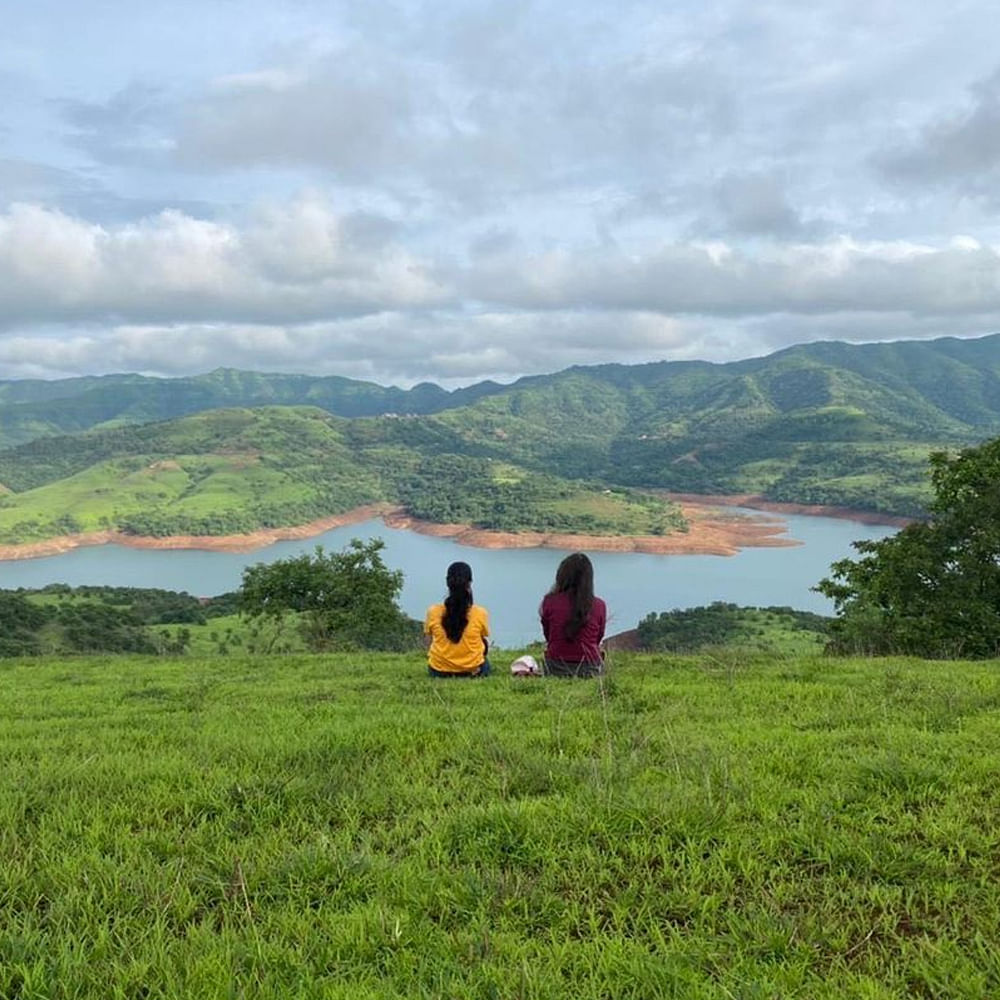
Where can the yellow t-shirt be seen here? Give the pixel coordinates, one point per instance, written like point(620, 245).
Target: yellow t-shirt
point(464, 656)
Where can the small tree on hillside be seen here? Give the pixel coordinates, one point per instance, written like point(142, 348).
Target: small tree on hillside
point(346, 599)
point(933, 589)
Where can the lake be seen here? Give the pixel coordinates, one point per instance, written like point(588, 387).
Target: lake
point(509, 582)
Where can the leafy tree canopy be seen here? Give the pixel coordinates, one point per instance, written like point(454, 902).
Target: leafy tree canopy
point(344, 599)
point(933, 589)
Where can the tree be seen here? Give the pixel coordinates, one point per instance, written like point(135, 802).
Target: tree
point(20, 624)
point(933, 589)
point(345, 599)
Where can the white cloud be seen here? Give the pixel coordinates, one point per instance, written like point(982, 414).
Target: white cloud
point(390, 347)
point(755, 203)
point(840, 275)
point(296, 263)
point(352, 112)
point(299, 287)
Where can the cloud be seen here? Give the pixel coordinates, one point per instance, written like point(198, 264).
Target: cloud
point(389, 347)
point(466, 105)
point(79, 195)
point(450, 348)
point(351, 112)
point(491, 189)
point(295, 263)
point(754, 203)
point(131, 126)
point(298, 286)
point(301, 262)
point(721, 280)
point(961, 146)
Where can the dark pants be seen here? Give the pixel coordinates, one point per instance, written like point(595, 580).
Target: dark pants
point(483, 670)
point(571, 668)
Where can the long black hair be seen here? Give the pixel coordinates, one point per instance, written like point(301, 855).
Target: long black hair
point(575, 577)
point(458, 601)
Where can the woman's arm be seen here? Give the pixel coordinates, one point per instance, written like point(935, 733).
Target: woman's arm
point(485, 631)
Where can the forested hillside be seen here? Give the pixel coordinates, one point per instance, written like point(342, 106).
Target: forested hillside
point(823, 423)
point(31, 409)
point(234, 471)
point(939, 389)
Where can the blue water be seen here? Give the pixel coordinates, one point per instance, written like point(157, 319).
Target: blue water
point(509, 582)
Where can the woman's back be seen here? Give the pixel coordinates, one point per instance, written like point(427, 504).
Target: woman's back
point(457, 629)
point(463, 656)
point(585, 647)
point(573, 621)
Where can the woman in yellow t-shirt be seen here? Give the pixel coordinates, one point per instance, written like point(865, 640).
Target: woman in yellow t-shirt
point(457, 630)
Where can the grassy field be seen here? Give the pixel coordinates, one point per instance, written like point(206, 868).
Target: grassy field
point(344, 827)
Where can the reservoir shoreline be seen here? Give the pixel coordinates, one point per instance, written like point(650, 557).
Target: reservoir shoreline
point(712, 531)
point(754, 501)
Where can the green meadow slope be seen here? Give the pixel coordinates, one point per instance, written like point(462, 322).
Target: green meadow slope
point(227, 472)
point(345, 827)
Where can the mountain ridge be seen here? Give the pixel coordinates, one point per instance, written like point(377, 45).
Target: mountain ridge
point(32, 408)
point(577, 451)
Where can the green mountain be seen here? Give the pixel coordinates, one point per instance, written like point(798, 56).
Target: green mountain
point(820, 424)
point(947, 389)
point(32, 408)
point(824, 423)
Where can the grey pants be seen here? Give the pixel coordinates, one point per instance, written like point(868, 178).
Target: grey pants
point(571, 668)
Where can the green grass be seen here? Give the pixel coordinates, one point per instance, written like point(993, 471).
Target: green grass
point(344, 827)
point(773, 632)
point(234, 634)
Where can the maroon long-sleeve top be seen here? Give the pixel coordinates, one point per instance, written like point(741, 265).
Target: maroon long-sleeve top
point(585, 648)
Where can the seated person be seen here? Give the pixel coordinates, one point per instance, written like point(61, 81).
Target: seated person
point(573, 621)
point(457, 630)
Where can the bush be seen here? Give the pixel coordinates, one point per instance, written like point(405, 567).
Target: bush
point(345, 600)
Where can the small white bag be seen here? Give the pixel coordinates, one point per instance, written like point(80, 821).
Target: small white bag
point(525, 666)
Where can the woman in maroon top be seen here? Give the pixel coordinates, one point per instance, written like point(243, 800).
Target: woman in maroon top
point(573, 621)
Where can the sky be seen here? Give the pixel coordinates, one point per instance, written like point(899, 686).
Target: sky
point(450, 191)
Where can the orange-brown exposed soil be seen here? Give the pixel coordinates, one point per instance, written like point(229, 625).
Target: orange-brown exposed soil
point(711, 531)
point(755, 502)
point(213, 543)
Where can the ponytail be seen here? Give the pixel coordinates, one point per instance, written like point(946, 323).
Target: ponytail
point(458, 601)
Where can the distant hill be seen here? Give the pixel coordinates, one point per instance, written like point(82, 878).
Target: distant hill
point(227, 452)
point(33, 408)
point(719, 625)
point(819, 424)
point(945, 388)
